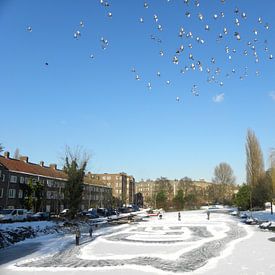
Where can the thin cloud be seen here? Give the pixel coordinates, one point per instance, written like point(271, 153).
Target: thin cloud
point(272, 95)
point(218, 98)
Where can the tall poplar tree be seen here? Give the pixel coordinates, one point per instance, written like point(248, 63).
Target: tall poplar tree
point(255, 172)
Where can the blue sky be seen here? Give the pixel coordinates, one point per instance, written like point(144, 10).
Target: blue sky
point(96, 102)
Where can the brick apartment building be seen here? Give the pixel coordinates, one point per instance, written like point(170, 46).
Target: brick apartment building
point(16, 173)
point(123, 185)
point(146, 188)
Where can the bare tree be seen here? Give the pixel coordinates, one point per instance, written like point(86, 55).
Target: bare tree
point(254, 162)
point(16, 154)
point(75, 163)
point(224, 179)
point(223, 174)
point(1, 148)
point(77, 154)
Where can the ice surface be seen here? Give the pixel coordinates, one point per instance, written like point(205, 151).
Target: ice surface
point(170, 241)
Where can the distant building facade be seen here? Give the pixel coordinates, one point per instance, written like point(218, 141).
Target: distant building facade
point(148, 188)
point(123, 185)
point(16, 173)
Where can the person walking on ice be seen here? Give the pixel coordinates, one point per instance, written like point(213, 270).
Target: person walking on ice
point(179, 216)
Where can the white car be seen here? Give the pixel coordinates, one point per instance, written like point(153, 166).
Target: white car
point(64, 212)
point(14, 215)
point(234, 213)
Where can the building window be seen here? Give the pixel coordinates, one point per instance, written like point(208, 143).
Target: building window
point(1, 192)
point(12, 193)
point(13, 179)
point(52, 195)
point(20, 194)
point(22, 179)
point(49, 195)
point(3, 177)
point(50, 183)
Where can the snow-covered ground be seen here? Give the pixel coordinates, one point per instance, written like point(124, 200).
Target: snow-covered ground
point(221, 245)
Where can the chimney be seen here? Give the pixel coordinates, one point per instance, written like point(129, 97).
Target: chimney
point(7, 155)
point(53, 166)
point(41, 163)
point(24, 158)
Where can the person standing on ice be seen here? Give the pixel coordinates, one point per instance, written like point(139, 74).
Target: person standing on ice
point(77, 236)
point(91, 231)
point(208, 214)
point(179, 216)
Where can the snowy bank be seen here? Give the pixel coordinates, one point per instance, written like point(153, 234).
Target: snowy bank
point(15, 232)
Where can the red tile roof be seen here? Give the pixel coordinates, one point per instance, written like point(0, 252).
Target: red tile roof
point(31, 168)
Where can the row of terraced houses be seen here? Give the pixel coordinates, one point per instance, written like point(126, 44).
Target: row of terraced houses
point(98, 189)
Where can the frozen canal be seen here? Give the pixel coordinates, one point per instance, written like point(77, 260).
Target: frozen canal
point(166, 246)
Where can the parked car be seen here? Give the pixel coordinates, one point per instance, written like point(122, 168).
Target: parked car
point(91, 215)
point(101, 212)
point(123, 210)
point(251, 221)
point(30, 216)
point(4, 212)
point(16, 215)
point(266, 225)
point(135, 208)
point(243, 216)
point(41, 216)
point(64, 212)
point(233, 213)
point(111, 212)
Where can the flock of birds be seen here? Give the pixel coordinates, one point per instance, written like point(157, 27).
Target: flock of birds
point(215, 72)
